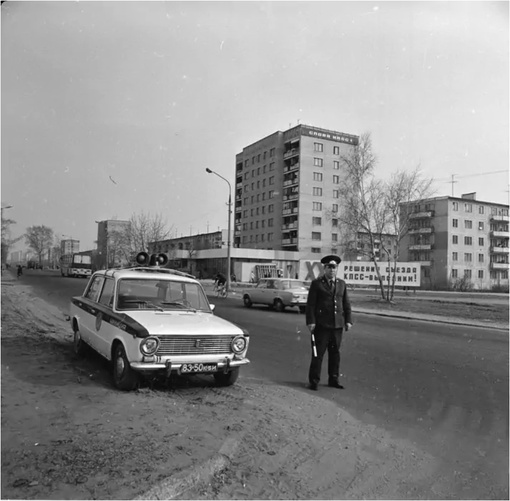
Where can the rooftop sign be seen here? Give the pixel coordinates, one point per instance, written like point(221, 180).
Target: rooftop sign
point(329, 135)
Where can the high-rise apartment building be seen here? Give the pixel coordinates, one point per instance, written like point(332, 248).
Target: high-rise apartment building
point(287, 190)
point(458, 241)
point(109, 234)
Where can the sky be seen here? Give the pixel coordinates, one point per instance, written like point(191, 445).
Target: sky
point(110, 109)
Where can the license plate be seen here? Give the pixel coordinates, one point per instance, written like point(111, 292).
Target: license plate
point(198, 368)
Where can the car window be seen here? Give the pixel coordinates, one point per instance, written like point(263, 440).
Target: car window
point(94, 288)
point(144, 293)
point(106, 297)
point(270, 284)
point(293, 284)
point(262, 284)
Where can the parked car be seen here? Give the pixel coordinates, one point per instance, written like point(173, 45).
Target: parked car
point(277, 293)
point(148, 320)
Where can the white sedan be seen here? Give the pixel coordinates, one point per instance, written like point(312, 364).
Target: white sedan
point(278, 293)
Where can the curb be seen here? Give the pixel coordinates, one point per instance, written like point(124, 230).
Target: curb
point(180, 483)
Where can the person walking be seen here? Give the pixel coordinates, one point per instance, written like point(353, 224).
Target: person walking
point(20, 270)
point(328, 312)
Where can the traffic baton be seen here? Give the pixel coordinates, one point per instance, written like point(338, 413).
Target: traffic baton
point(314, 348)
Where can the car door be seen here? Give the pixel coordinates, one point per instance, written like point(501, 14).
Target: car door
point(103, 329)
point(90, 310)
point(258, 292)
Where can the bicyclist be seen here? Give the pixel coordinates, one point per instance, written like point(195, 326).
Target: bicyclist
point(220, 280)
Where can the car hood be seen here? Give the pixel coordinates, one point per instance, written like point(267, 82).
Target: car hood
point(184, 322)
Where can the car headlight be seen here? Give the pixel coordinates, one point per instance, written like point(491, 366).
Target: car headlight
point(238, 344)
point(149, 345)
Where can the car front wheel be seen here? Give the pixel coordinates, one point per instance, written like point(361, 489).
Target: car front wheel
point(278, 305)
point(227, 379)
point(124, 377)
point(247, 301)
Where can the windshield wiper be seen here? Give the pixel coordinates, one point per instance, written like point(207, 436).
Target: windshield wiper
point(179, 303)
point(145, 303)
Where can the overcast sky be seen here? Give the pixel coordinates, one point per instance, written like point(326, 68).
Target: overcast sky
point(114, 108)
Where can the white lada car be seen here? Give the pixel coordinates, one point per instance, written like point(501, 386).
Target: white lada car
point(151, 319)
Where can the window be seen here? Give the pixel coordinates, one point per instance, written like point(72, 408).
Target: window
point(317, 192)
point(318, 162)
point(271, 180)
point(317, 221)
point(455, 223)
point(336, 179)
point(270, 194)
point(336, 165)
point(467, 273)
point(468, 207)
point(481, 241)
point(468, 241)
point(317, 176)
point(336, 150)
point(270, 208)
point(480, 258)
point(480, 225)
point(258, 157)
point(316, 235)
point(454, 273)
point(455, 256)
point(334, 237)
point(95, 288)
point(336, 194)
point(468, 257)
point(107, 294)
point(269, 237)
point(481, 209)
point(480, 273)
point(334, 222)
point(270, 222)
point(455, 239)
point(318, 147)
point(468, 224)
point(271, 152)
point(455, 206)
point(316, 206)
point(334, 208)
point(316, 250)
point(271, 166)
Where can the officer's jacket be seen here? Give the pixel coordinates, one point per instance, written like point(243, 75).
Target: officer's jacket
point(328, 307)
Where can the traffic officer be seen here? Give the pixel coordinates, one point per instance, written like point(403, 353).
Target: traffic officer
point(328, 312)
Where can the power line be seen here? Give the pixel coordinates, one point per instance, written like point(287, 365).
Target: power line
point(444, 179)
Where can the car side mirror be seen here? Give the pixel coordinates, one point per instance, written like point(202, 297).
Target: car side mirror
point(212, 306)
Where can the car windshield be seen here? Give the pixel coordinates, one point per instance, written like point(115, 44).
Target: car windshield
point(293, 284)
point(161, 295)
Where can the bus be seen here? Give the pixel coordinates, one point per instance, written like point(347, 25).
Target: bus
point(76, 265)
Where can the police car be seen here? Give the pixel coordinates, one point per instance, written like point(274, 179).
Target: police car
point(149, 319)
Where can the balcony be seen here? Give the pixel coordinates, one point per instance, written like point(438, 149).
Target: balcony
point(503, 219)
point(499, 266)
point(500, 234)
point(291, 153)
point(499, 250)
point(290, 182)
point(421, 215)
point(415, 231)
point(420, 247)
point(294, 196)
point(290, 168)
point(289, 241)
point(291, 226)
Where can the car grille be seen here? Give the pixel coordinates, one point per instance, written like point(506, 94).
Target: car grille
point(194, 345)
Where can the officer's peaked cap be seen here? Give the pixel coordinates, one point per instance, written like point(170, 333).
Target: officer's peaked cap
point(331, 259)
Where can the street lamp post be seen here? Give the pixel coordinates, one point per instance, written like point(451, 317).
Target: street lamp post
point(209, 171)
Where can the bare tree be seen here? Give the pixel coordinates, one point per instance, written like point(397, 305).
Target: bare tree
point(7, 240)
point(372, 207)
point(39, 239)
point(142, 230)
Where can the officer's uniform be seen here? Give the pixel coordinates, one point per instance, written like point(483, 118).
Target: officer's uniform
point(329, 308)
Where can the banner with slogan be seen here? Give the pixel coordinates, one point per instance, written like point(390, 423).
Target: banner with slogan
point(364, 273)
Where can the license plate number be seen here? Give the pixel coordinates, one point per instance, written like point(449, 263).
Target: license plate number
point(197, 368)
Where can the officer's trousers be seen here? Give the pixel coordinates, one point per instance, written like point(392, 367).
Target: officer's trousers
point(329, 339)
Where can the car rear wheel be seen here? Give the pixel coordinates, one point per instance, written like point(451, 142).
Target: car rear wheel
point(124, 377)
point(227, 379)
point(278, 305)
point(80, 348)
point(247, 301)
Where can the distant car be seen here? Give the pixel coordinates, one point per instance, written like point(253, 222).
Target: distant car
point(150, 320)
point(277, 293)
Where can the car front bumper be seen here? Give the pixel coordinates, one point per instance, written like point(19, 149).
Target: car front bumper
point(224, 365)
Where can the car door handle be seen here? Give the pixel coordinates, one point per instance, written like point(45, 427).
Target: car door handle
point(93, 311)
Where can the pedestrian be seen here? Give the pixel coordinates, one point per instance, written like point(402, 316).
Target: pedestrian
point(20, 270)
point(328, 312)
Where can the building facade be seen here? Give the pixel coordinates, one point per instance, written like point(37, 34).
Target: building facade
point(109, 234)
point(460, 242)
point(69, 246)
point(287, 189)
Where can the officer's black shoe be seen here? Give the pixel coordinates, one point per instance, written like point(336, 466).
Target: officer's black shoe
point(313, 386)
point(335, 384)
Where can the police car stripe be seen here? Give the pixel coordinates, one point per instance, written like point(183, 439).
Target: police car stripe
point(119, 320)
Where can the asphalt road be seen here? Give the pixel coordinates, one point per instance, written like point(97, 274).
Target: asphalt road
point(444, 387)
